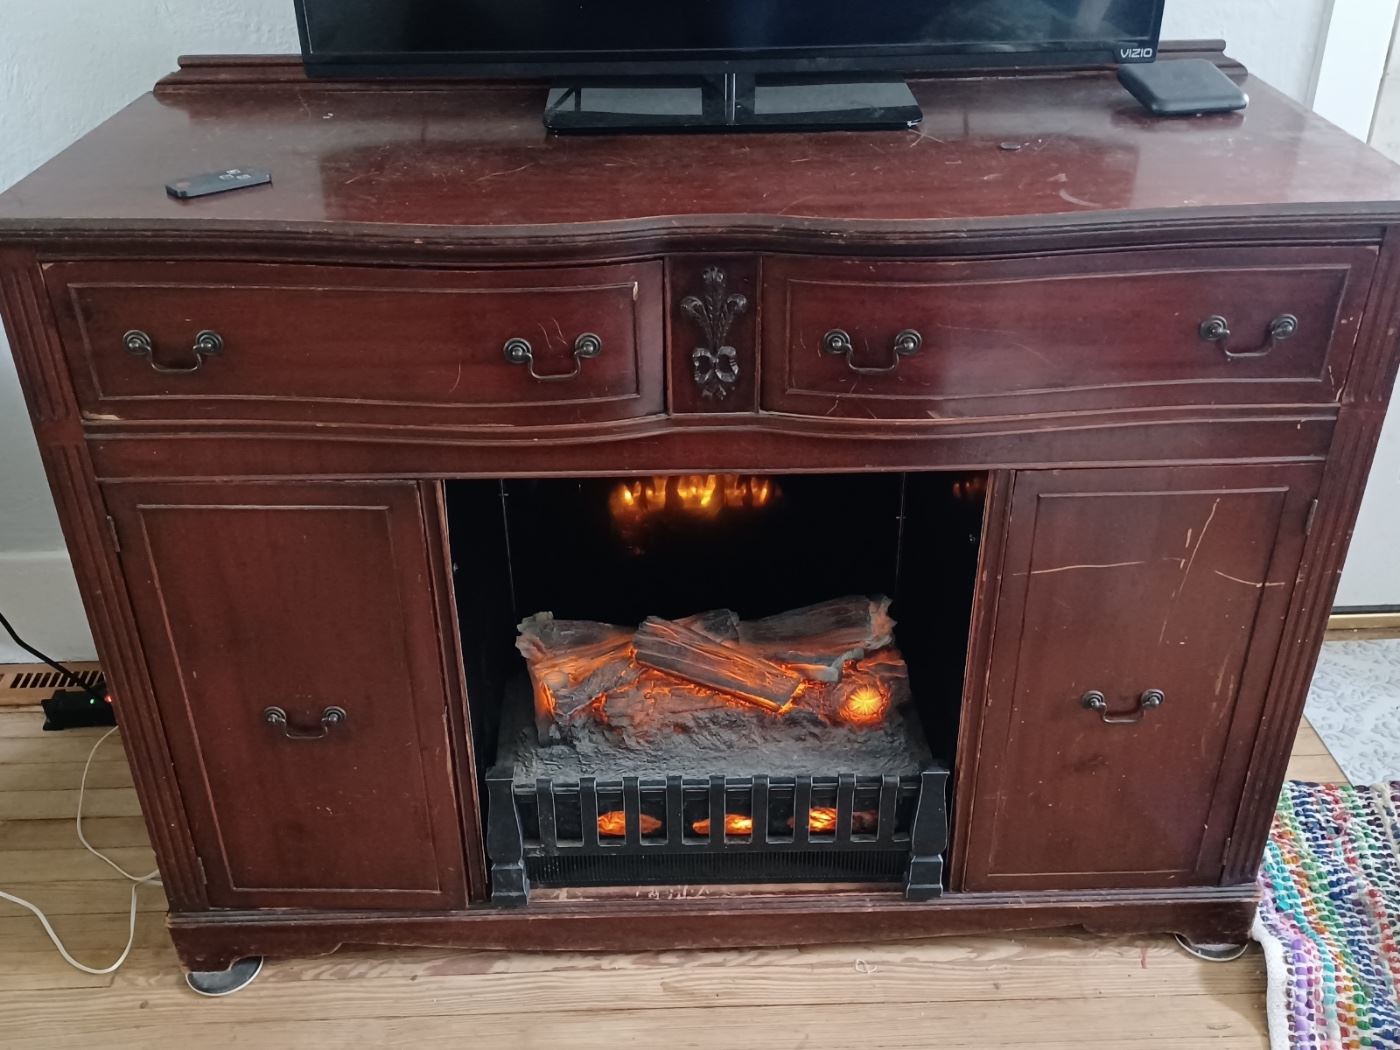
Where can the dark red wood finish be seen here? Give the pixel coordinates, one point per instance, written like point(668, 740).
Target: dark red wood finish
point(469, 167)
point(305, 597)
point(411, 346)
point(1064, 333)
point(682, 918)
point(1056, 248)
point(1120, 582)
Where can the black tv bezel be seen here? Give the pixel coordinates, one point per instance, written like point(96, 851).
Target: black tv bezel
point(904, 58)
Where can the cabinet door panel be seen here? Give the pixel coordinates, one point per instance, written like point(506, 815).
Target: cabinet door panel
point(301, 597)
point(1120, 583)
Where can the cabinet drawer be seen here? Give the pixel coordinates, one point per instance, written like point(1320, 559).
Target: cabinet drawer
point(261, 341)
point(1086, 332)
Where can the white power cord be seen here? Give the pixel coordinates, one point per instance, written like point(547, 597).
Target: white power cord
point(137, 881)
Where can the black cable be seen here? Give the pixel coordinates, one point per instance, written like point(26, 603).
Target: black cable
point(73, 678)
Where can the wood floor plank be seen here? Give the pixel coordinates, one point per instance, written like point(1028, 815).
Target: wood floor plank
point(72, 745)
point(59, 833)
point(28, 723)
point(60, 803)
point(73, 865)
point(1318, 769)
point(48, 776)
point(82, 897)
point(1307, 742)
point(1194, 1023)
point(26, 946)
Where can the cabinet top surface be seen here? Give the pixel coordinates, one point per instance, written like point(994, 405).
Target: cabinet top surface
point(1039, 151)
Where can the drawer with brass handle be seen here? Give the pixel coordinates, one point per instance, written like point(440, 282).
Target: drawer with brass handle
point(1090, 331)
point(342, 344)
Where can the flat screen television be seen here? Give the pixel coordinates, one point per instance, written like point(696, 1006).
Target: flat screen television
point(770, 62)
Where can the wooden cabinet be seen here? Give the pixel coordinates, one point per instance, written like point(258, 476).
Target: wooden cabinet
point(1139, 616)
point(1163, 352)
point(291, 635)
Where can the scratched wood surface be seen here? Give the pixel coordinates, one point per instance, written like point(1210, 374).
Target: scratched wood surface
point(1051, 992)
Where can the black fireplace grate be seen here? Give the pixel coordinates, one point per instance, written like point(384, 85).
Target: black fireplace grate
point(674, 829)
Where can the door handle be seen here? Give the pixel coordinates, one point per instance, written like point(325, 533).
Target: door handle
point(1095, 700)
point(330, 717)
point(207, 343)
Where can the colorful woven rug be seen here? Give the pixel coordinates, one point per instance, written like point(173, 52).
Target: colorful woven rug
point(1331, 905)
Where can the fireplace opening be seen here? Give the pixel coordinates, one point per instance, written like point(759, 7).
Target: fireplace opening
point(715, 677)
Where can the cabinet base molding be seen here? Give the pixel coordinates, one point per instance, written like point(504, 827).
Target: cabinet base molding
point(1212, 915)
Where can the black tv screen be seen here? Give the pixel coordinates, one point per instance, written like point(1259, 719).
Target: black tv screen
point(655, 36)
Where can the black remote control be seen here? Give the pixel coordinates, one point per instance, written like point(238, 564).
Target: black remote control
point(217, 182)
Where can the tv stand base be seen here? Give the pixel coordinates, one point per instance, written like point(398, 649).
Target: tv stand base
point(732, 101)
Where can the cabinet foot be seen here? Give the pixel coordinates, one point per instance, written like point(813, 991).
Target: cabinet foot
point(215, 983)
point(1220, 953)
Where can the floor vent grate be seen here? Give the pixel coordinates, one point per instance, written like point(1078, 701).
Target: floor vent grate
point(24, 685)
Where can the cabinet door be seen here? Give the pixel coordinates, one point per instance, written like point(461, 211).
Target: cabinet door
point(1164, 592)
point(315, 600)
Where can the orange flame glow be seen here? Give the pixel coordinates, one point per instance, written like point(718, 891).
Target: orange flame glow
point(613, 824)
point(697, 491)
point(695, 494)
point(865, 705)
point(820, 819)
point(734, 824)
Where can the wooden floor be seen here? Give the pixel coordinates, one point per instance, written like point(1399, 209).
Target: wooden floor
point(1046, 992)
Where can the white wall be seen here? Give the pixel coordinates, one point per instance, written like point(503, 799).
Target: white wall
point(1278, 40)
point(64, 67)
point(1372, 575)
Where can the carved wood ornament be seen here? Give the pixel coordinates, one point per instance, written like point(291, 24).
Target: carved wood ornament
point(716, 366)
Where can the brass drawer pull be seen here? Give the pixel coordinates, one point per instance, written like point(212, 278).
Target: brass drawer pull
point(1094, 700)
point(1216, 329)
point(331, 716)
point(206, 344)
point(838, 342)
point(519, 352)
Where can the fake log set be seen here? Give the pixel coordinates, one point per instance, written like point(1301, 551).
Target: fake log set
point(833, 663)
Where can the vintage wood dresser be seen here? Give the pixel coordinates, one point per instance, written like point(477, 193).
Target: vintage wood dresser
point(1164, 348)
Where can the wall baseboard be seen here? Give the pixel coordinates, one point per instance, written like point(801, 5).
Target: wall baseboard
point(40, 598)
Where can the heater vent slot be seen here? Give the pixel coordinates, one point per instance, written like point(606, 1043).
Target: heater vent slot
point(23, 685)
point(691, 868)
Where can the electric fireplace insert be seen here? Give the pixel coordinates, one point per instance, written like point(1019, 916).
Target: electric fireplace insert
point(715, 678)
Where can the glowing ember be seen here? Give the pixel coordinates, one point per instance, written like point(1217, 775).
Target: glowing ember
point(734, 824)
point(613, 824)
point(822, 819)
point(864, 706)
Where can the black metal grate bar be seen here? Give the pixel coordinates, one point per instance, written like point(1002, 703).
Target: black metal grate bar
point(544, 800)
point(588, 810)
point(889, 801)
